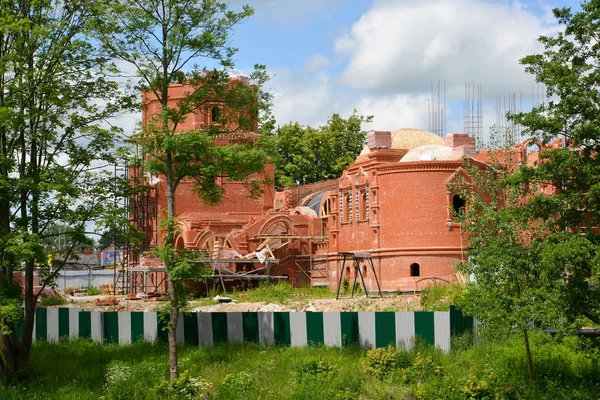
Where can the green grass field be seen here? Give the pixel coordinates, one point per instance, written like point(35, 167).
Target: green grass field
point(565, 369)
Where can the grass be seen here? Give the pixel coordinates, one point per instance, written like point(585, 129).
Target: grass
point(433, 298)
point(565, 369)
point(438, 297)
point(282, 292)
point(267, 292)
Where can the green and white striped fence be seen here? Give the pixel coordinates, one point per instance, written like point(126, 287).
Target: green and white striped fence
point(368, 329)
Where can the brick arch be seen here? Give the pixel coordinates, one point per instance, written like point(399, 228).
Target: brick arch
point(202, 237)
point(179, 242)
point(523, 147)
point(267, 227)
point(304, 202)
point(208, 241)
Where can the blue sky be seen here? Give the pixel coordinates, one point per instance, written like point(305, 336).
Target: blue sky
point(380, 56)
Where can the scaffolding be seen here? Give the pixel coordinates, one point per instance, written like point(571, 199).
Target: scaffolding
point(150, 279)
point(120, 253)
point(357, 257)
point(143, 208)
point(309, 239)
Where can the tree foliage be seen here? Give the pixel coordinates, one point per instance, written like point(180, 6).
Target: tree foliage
point(55, 95)
point(164, 40)
point(308, 155)
point(513, 286)
point(568, 67)
point(533, 230)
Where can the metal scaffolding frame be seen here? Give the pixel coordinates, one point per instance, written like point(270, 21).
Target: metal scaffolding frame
point(356, 257)
point(310, 239)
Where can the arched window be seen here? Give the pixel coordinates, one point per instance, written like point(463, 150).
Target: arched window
point(214, 114)
point(364, 203)
point(458, 204)
point(415, 269)
point(348, 207)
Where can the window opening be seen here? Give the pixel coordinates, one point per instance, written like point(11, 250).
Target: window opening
point(348, 208)
point(458, 204)
point(415, 269)
point(214, 114)
point(364, 203)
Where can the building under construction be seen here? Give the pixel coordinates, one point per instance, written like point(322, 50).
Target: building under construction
point(393, 203)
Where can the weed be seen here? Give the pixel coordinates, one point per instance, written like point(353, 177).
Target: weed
point(184, 387)
point(236, 386)
point(50, 301)
point(438, 297)
point(93, 291)
point(565, 368)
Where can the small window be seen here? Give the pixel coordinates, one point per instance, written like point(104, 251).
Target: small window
point(326, 208)
point(458, 204)
point(214, 114)
point(324, 228)
point(348, 208)
point(364, 199)
point(415, 269)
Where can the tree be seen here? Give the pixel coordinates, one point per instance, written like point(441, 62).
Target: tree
point(568, 68)
point(515, 284)
point(55, 94)
point(536, 256)
point(161, 39)
point(308, 155)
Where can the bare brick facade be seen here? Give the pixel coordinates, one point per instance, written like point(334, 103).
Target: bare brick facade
point(394, 202)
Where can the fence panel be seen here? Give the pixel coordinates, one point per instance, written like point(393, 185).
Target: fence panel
point(367, 329)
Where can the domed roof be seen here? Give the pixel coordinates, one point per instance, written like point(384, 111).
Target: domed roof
point(429, 152)
point(409, 138)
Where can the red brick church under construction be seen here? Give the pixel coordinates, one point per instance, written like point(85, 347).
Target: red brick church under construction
point(394, 203)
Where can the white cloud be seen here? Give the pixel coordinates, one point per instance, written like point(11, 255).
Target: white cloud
point(392, 53)
point(402, 45)
point(316, 62)
point(311, 99)
point(394, 112)
point(299, 97)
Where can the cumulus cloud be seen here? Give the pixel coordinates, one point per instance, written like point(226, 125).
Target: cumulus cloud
point(316, 62)
point(311, 98)
point(306, 98)
point(402, 45)
point(394, 111)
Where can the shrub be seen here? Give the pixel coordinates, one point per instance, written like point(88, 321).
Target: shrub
point(438, 297)
point(93, 291)
point(382, 361)
point(345, 285)
point(49, 301)
point(117, 382)
point(311, 369)
point(422, 368)
point(236, 386)
point(184, 387)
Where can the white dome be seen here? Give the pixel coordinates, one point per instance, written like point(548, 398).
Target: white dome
point(429, 152)
point(408, 138)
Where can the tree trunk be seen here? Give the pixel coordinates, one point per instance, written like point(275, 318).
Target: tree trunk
point(174, 319)
point(172, 286)
point(528, 354)
point(169, 263)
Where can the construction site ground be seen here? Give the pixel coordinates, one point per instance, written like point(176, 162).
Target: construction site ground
point(289, 302)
